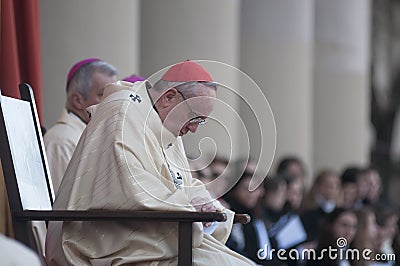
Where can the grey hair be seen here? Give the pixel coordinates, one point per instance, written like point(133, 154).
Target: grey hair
point(187, 88)
point(82, 79)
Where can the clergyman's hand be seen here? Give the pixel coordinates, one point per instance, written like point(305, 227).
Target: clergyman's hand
point(202, 204)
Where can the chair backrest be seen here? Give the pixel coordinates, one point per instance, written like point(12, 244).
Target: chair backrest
point(24, 162)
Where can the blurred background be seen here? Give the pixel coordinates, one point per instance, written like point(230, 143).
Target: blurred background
point(329, 69)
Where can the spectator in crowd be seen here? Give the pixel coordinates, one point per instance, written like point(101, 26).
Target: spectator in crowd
point(216, 181)
point(292, 165)
point(293, 224)
point(322, 199)
point(219, 165)
point(349, 187)
point(363, 189)
point(85, 86)
point(217, 186)
point(251, 165)
point(375, 186)
point(273, 203)
point(249, 238)
point(339, 226)
point(274, 199)
point(294, 192)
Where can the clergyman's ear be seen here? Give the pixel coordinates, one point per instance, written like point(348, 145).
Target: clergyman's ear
point(77, 101)
point(169, 97)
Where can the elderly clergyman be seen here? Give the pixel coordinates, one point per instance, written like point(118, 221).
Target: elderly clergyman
point(85, 86)
point(131, 157)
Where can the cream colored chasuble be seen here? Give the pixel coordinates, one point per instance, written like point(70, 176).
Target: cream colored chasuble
point(124, 160)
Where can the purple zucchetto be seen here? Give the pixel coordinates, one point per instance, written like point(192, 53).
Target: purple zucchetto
point(77, 66)
point(133, 78)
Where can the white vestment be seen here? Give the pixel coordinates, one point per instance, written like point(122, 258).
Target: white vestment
point(60, 142)
point(127, 160)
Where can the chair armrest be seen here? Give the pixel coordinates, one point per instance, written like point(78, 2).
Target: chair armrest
point(241, 218)
point(108, 215)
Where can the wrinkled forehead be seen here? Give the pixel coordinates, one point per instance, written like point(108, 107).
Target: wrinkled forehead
point(206, 92)
point(203, 102)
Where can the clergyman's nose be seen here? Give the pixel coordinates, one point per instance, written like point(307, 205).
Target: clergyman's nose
point(192, 127)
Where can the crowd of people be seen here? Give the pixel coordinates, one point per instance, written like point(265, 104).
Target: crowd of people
point(300, 221)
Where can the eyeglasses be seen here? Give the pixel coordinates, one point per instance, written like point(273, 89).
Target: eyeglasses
point(197, 119)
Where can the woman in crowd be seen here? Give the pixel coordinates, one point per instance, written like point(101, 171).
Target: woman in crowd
point(247, 239)
point(337, 232)
point(375, 186)
point(350, 187)
point(322, 199)
point(294, 166)
point(294, 193)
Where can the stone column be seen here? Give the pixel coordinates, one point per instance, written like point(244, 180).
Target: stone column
point(341, 83)
point(276, 51)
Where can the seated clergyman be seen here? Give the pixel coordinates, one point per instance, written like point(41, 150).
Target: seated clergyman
point(131, 157)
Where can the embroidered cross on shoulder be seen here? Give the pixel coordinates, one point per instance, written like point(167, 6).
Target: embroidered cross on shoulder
point(135, 97)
